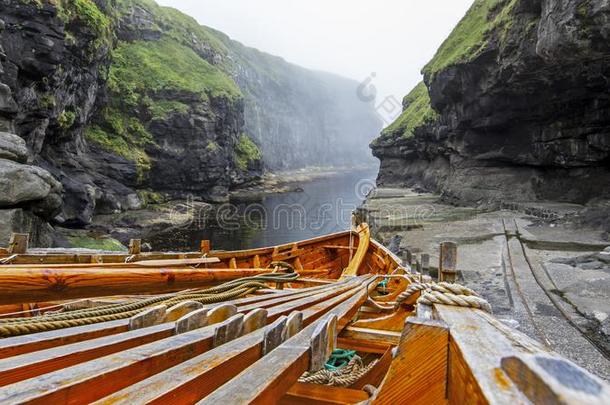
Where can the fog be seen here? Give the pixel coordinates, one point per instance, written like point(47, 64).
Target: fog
point(387, 41)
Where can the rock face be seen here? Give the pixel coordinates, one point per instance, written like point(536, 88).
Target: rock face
point(518, 111)
point(106, 105)
point(301, 117)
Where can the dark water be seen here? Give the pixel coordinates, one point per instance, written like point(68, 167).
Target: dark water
point(324, 206)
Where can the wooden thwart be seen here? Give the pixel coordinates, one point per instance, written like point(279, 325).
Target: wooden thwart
point(418, 374)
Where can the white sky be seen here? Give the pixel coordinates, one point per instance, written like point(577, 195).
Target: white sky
point(354, 38)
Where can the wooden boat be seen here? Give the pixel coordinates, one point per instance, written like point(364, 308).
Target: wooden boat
point(201, 333)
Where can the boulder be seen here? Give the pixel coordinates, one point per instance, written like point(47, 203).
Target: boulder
point(21, 183)
point(21, 221)
point(13, 147)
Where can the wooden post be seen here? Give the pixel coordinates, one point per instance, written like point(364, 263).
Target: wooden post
point(447, 266)
point(425, 264)
point(205, 246)
point(135, 246)
point(18, 243)
point(407, 257)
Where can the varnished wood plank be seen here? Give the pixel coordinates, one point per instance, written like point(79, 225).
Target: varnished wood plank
point(478, 373)
point(30, 365)
point(116, 371)
point(198, 377)
point(272, 376)
point(421, 357)
point(377, 373)
point(28, 343)
point(364, 236)
point(32, 285)
point(367, 340)
point(18, 345)
point(314, 394)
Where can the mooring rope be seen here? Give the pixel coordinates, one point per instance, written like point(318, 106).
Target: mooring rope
point(344, 376)
point(8, 260)
point(58, 320)
point(446, 294)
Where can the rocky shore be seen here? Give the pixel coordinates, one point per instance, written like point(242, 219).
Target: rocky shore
point(513, 108)
point(540, 268)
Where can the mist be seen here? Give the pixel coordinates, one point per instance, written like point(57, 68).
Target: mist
point(386, 42)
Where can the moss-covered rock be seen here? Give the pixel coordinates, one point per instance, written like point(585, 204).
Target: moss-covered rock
point(472, 34)
point(417, 112)
point(95, 243)
point(246, 152)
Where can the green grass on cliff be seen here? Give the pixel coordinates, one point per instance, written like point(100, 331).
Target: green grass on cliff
point(177, 25)
point(418, 112)
point(142, 67)
point(124, 136)
point(161, 109)
point(246, 152)
point(87, 13)
point(469, 38)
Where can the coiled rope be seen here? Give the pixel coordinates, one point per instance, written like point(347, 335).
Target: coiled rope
point(446, 294)
point(59, 320)
point(344, 376)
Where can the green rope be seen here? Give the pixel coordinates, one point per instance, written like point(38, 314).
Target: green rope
point(339, 358)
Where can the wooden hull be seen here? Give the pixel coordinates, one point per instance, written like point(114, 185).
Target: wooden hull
point(255, 348)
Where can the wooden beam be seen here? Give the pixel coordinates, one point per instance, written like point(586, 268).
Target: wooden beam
point(18, 243)
point(92, 380)
point(418, 373)
point(314, 394)
point(364, 238)
point(272, 376)
point(193, 379)
point(548, 379)
point(493, 363)
point(34, 364)
point(40, 284)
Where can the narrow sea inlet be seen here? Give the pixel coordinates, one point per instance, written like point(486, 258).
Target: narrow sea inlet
point(323, 206)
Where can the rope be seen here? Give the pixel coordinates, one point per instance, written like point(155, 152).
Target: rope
point(58, 320)
point(446, 294)
point(340, 377)
point(339, 358)
point(7, 260)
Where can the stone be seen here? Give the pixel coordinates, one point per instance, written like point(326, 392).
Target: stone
point(13, 147)
point(21, 183)
point(7, 104)
point(19, 220)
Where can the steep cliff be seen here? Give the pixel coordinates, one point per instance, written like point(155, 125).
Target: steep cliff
point(116, 103)
point(515, 105)
point(301, 117)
